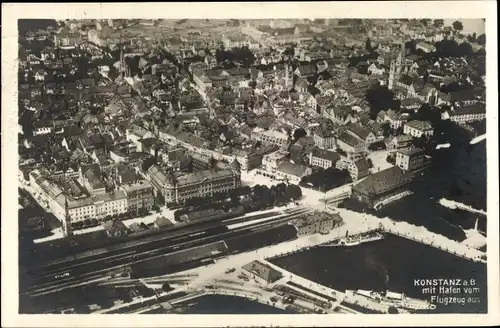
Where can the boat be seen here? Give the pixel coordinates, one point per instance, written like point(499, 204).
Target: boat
point(398, 300)
point(346, 242)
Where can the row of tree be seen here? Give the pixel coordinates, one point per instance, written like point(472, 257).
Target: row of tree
point(242, 55)
point(328, 179)
point(381, 98)
point(93, 222)
point(252, 199)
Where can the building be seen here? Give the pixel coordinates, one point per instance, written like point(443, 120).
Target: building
point(395, 120)
point(136, 133)
point(324, 139)
point(350, 144)
point(261, 272)
point(418, 129)
point(67, 39)
point(110, 204)
point(42, 127)
point(381, 185)
point(397, 142)
point(162, 222)
point(465, 114)
point(292, 173)
point(270, 137)
point(376, 69)
point(31, 220)
point(178, 186)
point(358, 169)
point(115, 228)
point(425, 47)
point(76, 209)
point(139, 195)
point(363, 134)
point(410, 159)
point(411, 104)
point(92, 183)
point(398, 67)
point(270, 162)
point(317, 222)
point(323, 158)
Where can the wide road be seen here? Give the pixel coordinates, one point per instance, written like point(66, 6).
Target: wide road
point(72, 274)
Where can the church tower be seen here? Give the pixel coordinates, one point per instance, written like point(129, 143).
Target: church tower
point(396, 68)
point(67, 228)
point(392, 75)
point(123, 65)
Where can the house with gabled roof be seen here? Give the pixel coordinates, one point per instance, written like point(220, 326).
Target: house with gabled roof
point(381, 185)
point(262, 272)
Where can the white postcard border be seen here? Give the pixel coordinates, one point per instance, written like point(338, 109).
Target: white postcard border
point(375, 9)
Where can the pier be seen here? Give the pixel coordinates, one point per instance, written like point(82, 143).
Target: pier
point(418, 234)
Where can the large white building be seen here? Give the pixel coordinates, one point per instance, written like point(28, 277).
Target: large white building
point(465, 114)
point(270, 162)
point(418, 129)
point(97, 206)
point(109, 204)
point(410, 159)
point(139, 195)
point(269, 136)
point(177, 187)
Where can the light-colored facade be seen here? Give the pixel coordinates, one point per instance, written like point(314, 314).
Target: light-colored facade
point(418, 129)
point(179, 187)
point(466, 114)
point(270, 137)
point(139, 195)
point(323, 158)
point(358, 169)
point(350, 144)
point(108, 204)
point(318, 222)
point(293, 173)
point(410, 159)
point(270, 162)
point(324, 140)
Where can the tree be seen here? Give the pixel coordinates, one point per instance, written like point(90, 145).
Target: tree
point(294, 191)
point(425, 22)
point(481, 39)
point(392, 310)
point(370, 162)
point(458, 26)
point(368, 45)
point(380, 98)
point(386, 127)
point(438, 23)
point(465, 49)
point(411, 46)
point(428, 113)
point(447, 48)
point(341, 152)
point(299, 133)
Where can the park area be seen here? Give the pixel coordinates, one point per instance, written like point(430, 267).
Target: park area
point(325, 180)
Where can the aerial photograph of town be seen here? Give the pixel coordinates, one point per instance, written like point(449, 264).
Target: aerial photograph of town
point(252, 166)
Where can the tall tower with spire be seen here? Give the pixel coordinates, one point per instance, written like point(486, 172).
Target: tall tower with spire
point(396, 67)
point(123, 66)
point(67, 228)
